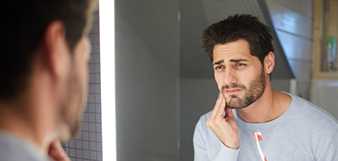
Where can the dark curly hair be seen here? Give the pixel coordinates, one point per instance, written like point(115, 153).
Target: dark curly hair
point(237, 27)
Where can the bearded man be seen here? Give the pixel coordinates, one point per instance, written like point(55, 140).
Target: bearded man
point(43, 76)
point(251, 120)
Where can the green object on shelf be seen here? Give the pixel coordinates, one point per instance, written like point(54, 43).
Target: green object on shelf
point(330, 54)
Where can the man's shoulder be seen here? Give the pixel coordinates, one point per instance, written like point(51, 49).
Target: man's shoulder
point(14, 149)
point(307, 108)
point(201, 123)
point(308, 113)
point(205, 116)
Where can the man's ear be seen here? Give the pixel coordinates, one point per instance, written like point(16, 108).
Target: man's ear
point(55, 49)
point(269, 63)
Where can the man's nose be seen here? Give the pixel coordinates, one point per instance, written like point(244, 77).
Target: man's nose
point(230, 77)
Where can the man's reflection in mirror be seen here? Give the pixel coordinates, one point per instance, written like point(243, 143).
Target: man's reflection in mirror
point(251, 120)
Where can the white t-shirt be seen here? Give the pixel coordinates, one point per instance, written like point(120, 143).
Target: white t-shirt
point(303, 132)
point(15, 149)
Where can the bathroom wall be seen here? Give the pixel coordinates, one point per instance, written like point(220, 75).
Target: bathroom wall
point(88, 145)
point(293, 21)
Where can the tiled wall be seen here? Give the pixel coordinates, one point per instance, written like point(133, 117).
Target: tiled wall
point(292, 20)
point(88, 145)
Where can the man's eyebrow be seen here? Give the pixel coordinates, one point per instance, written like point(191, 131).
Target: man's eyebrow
point(218, 62)
point(237, 60)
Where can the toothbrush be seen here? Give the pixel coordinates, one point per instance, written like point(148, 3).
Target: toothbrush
point(258, 137)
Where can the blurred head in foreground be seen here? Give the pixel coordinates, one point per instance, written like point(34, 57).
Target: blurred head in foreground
point(43, 67)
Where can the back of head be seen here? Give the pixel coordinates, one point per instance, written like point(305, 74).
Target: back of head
point(23, 28)
point(236, 27)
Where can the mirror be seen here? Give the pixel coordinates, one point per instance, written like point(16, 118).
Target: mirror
point(164, 80)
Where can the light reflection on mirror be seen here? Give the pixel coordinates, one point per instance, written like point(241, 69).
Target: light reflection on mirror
point(107, 59)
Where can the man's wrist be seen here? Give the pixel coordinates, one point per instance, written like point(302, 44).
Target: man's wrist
point(234, 146)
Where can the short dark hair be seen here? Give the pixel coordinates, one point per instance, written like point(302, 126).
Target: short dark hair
point(24, 24)
point(237, 27)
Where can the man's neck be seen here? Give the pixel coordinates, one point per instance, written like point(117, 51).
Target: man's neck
point(21, 119)
point(268, 107)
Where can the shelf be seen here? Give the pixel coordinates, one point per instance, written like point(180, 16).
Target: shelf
point(325, 75)
point(325, 24)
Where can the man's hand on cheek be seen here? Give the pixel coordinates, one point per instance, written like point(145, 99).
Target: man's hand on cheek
point(56, 152)
point(224, 126)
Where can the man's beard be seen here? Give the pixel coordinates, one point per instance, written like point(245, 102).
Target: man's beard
point(256, 89)
point(72, 106)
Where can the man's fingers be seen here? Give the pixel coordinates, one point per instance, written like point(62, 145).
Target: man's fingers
point(215, 111)
point(57, 153)
point(221, 106)
point(228, 112)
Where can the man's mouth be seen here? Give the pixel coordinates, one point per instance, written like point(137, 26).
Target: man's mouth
point(233, 91)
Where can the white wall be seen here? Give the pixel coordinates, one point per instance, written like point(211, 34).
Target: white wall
point(292, 20)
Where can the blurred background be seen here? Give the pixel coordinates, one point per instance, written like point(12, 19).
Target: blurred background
point(164, 80)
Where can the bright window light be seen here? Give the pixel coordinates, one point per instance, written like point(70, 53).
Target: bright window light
point(107, 61)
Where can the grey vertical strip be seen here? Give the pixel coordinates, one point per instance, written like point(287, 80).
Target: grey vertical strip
point(178, 89)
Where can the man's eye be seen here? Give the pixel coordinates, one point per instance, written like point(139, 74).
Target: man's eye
point(240, 64)
point(218, 67)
